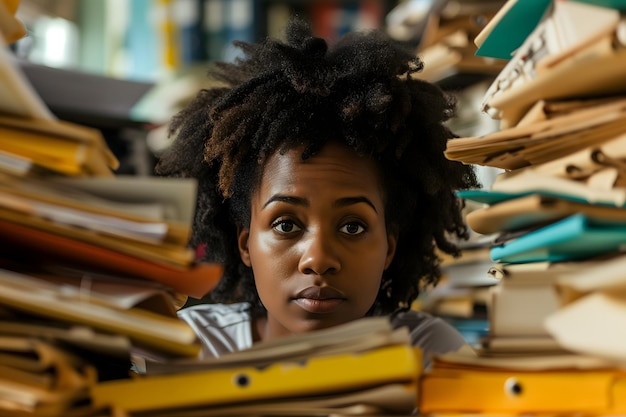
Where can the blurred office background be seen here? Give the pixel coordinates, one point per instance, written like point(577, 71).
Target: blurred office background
point(126, 67)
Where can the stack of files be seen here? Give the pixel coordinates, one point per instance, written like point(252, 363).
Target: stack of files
point(362, 367)
point(520, 305)
point(557, 50)
point(556, 212)
point(60, 201)
point(446, 44)
point(48, 371)
point(93, 266)
point(35, 140)
point(462, 294)
point(592, 309)
point(63, 331)
point(562, 196)
point(567, 384)
point(131, 226)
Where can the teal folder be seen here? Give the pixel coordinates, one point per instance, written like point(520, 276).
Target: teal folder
point(494, 197)
point(520, 21)
point(513, 28)
point(574, 238)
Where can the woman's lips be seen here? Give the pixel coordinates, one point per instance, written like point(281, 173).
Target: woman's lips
point(319, 300)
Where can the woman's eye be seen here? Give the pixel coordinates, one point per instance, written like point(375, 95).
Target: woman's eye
point(352, 228)
point(285, 226)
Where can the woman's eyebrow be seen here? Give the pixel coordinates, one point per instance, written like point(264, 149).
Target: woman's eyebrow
point(287, 199)
point(348, 201)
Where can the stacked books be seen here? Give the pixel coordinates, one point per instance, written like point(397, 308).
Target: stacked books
point(556, 214)
point(92, 266)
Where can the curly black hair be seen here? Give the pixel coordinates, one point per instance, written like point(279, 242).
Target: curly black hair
point(302, 92)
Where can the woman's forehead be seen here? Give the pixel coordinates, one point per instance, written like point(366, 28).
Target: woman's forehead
point(334, 165)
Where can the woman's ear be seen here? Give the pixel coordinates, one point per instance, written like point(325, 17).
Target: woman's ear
point(392, 243)
point(242, 240)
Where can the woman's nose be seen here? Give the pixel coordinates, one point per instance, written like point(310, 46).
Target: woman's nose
point(319, 255)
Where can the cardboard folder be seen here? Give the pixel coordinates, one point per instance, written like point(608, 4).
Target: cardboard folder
point(590, 325)
point(543, 141)
point(535, 210)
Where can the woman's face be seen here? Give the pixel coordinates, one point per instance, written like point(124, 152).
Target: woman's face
point(317, 242)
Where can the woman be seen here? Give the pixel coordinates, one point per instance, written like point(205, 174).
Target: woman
point(323, 189)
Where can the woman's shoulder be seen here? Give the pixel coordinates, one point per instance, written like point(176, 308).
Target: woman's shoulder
point(220, 314)
point(221, 328)
point(432, 334)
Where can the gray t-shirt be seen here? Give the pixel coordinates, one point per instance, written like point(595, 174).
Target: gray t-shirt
point(224, 328)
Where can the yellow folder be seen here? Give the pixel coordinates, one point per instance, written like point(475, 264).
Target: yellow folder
point(60, 146)
point(288, 379)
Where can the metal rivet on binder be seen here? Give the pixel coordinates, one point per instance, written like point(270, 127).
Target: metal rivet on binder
point(513, 387)
point(242, 380)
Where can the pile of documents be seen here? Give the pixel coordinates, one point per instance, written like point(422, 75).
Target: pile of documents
point(556, 216)
point(446, 43)
point(363, 367)
point(92, 266)
point(463, 293)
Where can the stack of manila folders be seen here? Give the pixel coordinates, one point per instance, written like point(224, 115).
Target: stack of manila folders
point(556, 216)
point(92, 266)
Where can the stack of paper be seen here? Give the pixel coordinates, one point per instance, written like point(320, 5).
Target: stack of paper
point(362, 367)
point(462, 295)
point(92, 266)
point(556, 217)
point(446, 44)
point(557, 50)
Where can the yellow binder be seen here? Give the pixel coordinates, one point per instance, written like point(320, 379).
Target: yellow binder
point(514, 391)
point(315, 376)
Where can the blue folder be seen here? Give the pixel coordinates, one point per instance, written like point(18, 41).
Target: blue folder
point(573, 238)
